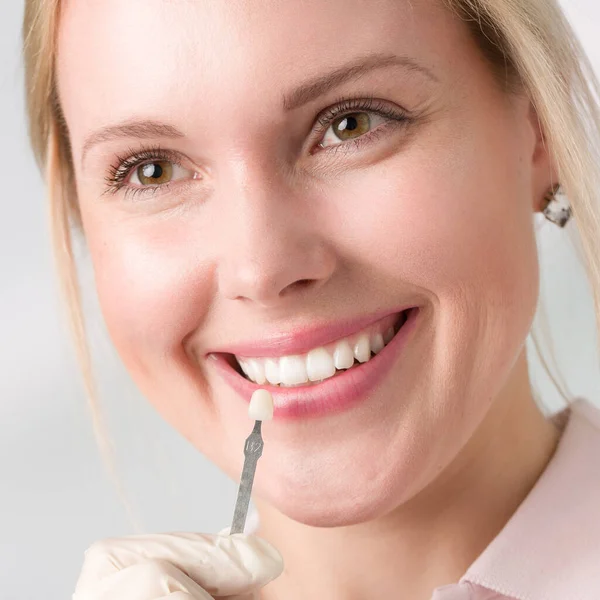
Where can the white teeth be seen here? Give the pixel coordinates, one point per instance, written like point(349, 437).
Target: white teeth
point(244, 366)
point(362, 348)
point(272, 371)
point(292, 369)
point(388, 335)
point(377, 343)
point(319, 364)
point(343, 357)
point(257, 371)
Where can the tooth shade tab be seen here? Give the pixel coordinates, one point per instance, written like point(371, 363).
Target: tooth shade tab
point(261, 406)
point(325, 361)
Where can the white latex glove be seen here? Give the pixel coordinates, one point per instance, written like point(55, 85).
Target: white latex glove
point(177, 566)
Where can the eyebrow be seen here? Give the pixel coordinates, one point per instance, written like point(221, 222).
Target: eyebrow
point(305, 93)
point(143, 129)
point(354, 69)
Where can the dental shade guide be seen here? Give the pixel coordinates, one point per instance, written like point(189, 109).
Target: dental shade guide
point(260, 409)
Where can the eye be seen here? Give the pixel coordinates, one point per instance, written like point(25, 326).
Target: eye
point(158, 172)
point(352, 126)
point(148, 171)
point(358, 122)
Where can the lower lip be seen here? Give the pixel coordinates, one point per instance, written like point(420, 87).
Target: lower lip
point(335, 394)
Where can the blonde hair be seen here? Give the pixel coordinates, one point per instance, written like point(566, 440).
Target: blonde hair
point(528, 43)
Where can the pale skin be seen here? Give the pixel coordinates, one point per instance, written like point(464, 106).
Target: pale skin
point(399, 494)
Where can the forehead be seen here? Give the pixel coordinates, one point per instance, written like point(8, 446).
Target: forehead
point(117, 59)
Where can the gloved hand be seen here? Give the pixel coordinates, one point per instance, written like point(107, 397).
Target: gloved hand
point(177, 566)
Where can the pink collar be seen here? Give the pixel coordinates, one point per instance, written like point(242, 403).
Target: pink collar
point(550, 547)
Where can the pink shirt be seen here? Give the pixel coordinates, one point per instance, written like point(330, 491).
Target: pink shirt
point(550, 548)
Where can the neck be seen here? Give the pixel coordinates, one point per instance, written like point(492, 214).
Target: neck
point(431, 540)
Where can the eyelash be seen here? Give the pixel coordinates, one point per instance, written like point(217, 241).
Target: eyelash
point(352, 105)
point(124, 165)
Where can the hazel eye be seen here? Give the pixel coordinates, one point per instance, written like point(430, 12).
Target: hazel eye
point(351, 126)
point(158, 172)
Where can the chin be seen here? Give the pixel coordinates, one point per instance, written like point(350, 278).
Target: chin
point(316, 508)
point(326, 517)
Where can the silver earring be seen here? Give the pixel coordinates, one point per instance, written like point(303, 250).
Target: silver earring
point(556, 206)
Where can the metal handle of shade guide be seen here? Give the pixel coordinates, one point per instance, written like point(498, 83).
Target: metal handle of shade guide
point(252, 452)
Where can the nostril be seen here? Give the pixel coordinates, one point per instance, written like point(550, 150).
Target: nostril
point(301, 284)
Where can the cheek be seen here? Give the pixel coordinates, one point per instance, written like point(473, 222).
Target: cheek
point(452, 221)
point(453, 217)
point(152, 289)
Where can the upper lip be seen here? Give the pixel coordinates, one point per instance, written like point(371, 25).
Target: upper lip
point(303, 338)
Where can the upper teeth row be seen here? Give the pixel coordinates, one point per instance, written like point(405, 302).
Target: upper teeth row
point(318, 364)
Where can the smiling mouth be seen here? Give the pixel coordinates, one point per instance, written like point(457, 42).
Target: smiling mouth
point(321, 363)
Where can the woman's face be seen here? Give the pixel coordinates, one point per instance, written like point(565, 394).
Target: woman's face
point(223, 208)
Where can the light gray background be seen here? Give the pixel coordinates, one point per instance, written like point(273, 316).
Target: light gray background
point(55, 497)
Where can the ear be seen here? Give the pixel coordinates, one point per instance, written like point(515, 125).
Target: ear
point(543, 170)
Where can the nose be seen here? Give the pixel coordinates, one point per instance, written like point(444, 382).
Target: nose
point(274, 249)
